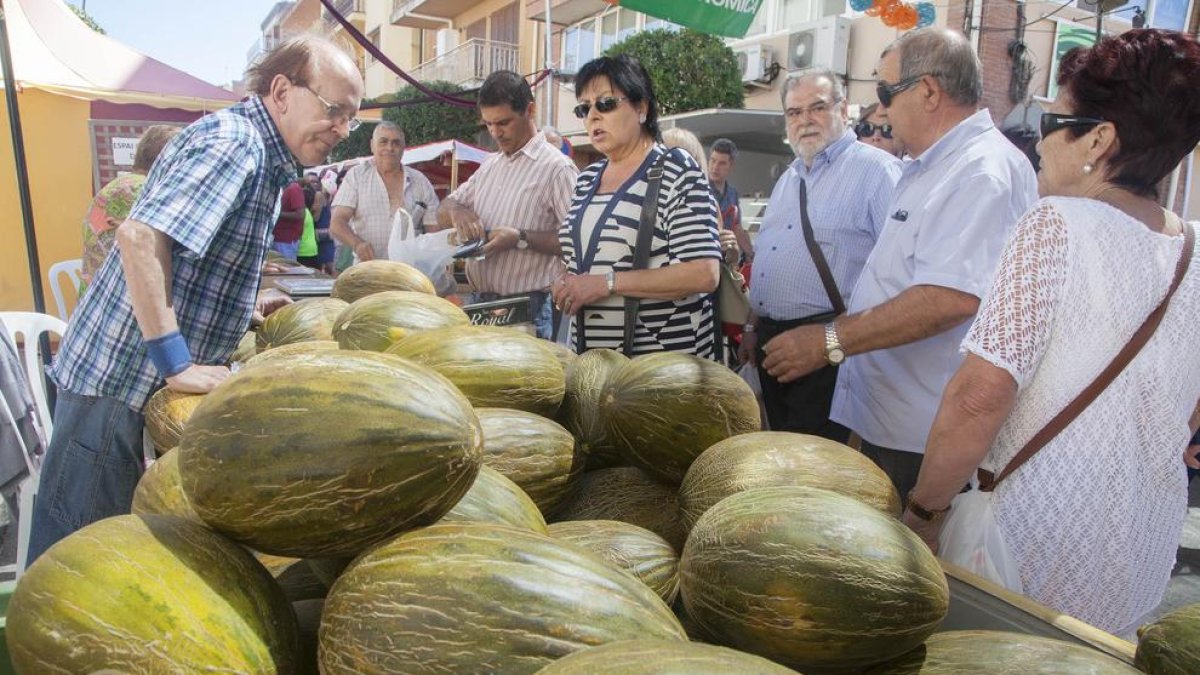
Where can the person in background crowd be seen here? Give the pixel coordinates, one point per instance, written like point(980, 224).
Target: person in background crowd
point(514, 202)
point(950, 214)
point(873, 128)
point(718, 168)
point(617, 105)
point(290, 223)
point(556, 140)
point(848, 187)
point(372, 191)
point(306, 254)
point(173, 305)
point(111, 204)
point(1093, 519)
point(325, 243)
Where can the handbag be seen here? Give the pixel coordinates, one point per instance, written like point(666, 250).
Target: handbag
point(733, 304)
point(818, 257)
point(971, 537)
point(641, 251)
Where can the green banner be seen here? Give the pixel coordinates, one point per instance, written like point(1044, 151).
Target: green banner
point(728, 18)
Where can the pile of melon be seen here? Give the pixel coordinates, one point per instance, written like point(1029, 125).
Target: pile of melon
point(383, 488)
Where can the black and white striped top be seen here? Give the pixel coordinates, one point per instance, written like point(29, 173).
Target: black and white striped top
point(600, 234)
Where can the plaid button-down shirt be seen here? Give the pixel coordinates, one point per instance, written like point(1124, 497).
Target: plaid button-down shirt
point(215, 191)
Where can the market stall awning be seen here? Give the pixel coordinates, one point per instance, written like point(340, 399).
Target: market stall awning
point(53, 50)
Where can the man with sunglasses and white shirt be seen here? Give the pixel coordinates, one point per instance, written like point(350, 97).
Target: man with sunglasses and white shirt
point(846, 187)
point(180, 291)
point(950, 216)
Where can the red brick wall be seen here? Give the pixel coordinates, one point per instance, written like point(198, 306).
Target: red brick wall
point(998, 23)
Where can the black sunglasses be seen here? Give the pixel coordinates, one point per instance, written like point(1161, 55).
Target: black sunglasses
point(1052, 122)
point(604, 104)
point(887, 92)
point(867, 129)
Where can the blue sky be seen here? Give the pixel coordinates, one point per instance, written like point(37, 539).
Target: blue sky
point(206, 38)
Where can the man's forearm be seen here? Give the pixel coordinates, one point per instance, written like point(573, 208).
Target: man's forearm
point(917, 313)
point(544, 242)
point(339, 227)
point(146, 261)
point(445, 212)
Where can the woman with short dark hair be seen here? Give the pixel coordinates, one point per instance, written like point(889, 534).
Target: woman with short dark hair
point(616, 103)
point(1090, 522)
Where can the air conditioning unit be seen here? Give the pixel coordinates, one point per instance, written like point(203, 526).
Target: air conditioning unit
point(753, 61)
point(820, 44)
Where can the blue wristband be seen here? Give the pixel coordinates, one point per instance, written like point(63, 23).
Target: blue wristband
point(169, 353)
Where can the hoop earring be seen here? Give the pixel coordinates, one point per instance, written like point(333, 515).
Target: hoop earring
point(1088, 168)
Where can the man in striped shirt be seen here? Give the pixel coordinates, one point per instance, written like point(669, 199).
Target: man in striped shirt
point(174, 303)
point(515, 202)
point(848, 187)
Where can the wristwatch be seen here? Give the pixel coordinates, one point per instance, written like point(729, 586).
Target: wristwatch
point(926, 514)
point(522, 242)
point(834, 354)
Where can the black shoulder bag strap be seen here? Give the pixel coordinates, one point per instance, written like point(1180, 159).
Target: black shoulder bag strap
point(831, 289)
point(641, 252)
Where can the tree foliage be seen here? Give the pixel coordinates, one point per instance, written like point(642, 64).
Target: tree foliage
point(423, 122)
point(690, 70)
point(86, 18)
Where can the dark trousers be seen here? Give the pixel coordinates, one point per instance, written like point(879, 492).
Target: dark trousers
point(801, 406)
point(901, 466)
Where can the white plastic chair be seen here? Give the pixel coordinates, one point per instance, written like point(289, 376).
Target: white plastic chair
point(71, 268)
point(30, 326)
point(26, 491)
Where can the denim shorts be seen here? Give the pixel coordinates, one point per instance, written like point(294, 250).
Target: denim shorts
point(91, 469)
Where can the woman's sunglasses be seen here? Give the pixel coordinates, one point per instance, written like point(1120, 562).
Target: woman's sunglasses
point(604, 104)
point(1052, 122)
point(867, 129)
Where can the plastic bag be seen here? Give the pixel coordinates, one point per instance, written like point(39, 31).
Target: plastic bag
point(749, 373)
point(429, 252)
point(971, 539)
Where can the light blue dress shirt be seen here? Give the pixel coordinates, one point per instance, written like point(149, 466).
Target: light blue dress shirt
point(951, 215)
point(849, 189)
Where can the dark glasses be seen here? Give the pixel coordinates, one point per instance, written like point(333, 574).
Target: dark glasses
point(604, 104)
point(887, 92)
point(1052, 122)
point(867, 129)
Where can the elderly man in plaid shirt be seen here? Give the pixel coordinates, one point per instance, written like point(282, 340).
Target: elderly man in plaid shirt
point(182, 291)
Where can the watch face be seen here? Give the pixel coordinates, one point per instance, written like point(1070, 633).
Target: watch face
point(835, 356)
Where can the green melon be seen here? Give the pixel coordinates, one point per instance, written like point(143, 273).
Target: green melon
point(330, 453)
point(477, 597)
point(285, 353)
point(496, 499)
point(565, 356)
point(327, 570)
point(662, 657)
point(494, 367)
point(664, 409)
point(376, 276)
point(302, 321)
point(308, 622)
point(776, 459)
point(160, 491)
point(247, 347)
point(580, 411)
point(629, 495)
point(376, 321)
point(811, 579)
point(1171, 645)
point(535, 453)
point(636, 550)
point(167, 412)
point(149, 594)
point(987, 652)
point(293, 576)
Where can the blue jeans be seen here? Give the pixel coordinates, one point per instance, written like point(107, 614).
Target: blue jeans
point(92, 467)
point(540, 307)
point(287, 249)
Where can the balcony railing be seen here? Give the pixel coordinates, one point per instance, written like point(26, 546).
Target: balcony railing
point(346, 8)
point(469, 63)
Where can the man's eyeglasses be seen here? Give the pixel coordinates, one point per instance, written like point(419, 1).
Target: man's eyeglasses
point(886, 92)
point(1052, 122)
point(867, 129)
point(818, 109)
point(604, 104)
point(333, 111)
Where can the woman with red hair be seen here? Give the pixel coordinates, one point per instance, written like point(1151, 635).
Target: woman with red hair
point(1088, 524)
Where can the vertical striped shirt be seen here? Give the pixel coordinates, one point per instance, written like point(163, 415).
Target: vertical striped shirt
point(849, 188)
point(364, 191)
point(528, 190)
point(601, 234)
point(214, 191)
